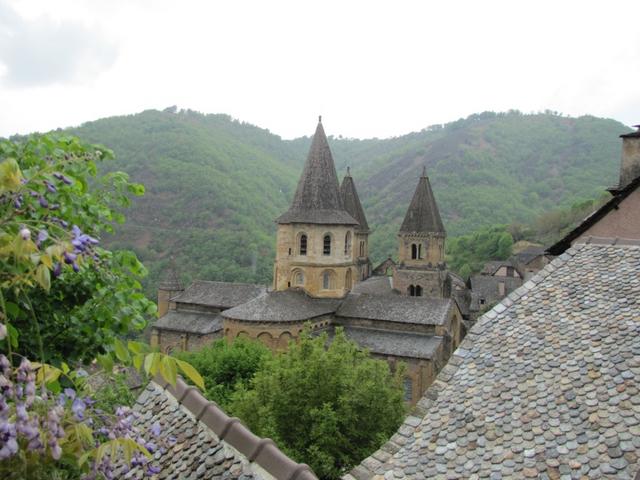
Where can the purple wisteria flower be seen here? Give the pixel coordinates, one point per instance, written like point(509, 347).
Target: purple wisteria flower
point(25, 233)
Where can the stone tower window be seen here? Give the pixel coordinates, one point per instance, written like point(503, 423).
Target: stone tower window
point(411, 291)
point(414, 251)
point(418, 291)
point(419, 250)
point(347, 280)
point(298, 278)
point(328, 280)
point(303, 244)
point(326, 245)
point(362, 249)
point(347, 243)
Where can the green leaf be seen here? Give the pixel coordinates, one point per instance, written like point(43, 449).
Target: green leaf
point(191, 373)
point(152, 363)
point(12, 309)
point(106, 362)
point(10, 175)
point(169, 369)
point(43, 277)
point(121, 351)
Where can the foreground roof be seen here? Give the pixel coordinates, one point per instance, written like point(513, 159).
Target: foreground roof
point(219, 294)
point(208, 444)
point(317, 198)
point(423, 215)
point(545, 385)
point(191, 322)
point(285, 306)
point(397, 308)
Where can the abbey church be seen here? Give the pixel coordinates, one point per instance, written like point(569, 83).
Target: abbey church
point(409, 311)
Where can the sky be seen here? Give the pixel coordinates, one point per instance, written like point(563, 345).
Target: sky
point(370, 68)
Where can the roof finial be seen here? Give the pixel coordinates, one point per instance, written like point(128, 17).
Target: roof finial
point(348, 171)
point(319, 118)
point(424, 170)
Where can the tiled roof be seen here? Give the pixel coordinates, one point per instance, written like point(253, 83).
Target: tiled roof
point(423, 215)
point(351, 202)
point(528, 254)
point(286, 306)
point(317, 198)
point(396, 308)
point(493, 266)
point(485, 287)
point(380, 285)
point(389, 342)
point(192, 322)
point(545, 385)
point(219, 294)
point(209, 444)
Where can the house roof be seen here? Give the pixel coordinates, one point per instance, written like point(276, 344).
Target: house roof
point(351, 202)
point(285, 306)
point(219, 294)
point(528, 254)
point(191, 322)
point(396, 308)
point(399, 344)
point(209, 444)
point(486, 287)
point(317, 198)
point(545, 385)
point(619, 195)
point(492, 266)
point(423, 215)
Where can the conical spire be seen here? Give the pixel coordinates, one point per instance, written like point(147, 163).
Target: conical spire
point(171, 278)
point(317, 198)
point(351, 201)
point(423, 215)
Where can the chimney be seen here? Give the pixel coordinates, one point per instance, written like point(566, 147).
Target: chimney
point(630, 164)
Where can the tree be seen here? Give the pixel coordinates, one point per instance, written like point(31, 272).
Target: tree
point(327, 405)
point(227, 366)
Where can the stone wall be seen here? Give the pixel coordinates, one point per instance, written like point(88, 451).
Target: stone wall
point(169, 341)
point(432, 281)
point(431, 247)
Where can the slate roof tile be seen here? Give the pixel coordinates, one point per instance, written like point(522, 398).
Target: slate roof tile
point(191, 322)
point(351, 202)
point(548, 387)
point(396, 308)
point(219, 294)
point(423, 215)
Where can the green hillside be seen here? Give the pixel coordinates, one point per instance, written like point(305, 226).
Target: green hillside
point(215, 185)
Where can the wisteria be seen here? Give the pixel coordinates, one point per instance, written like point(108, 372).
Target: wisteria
point(35, 421)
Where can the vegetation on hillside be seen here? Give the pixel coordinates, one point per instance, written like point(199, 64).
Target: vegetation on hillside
point(215, 185)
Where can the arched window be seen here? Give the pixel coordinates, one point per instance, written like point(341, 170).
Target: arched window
point(414, 251)
point(362, 249)
point(347, 280)
point(298, 278)
point(303, 244)
point(328, 280)
point(419, 250)
point(418, 291)
point(412, 291)
point(326, 245)
point(347, 243)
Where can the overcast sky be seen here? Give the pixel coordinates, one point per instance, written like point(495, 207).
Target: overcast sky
point(370, 68)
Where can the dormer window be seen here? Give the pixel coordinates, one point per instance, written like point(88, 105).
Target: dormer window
point(326, 245)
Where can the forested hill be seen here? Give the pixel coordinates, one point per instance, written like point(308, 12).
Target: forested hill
point(215, 185)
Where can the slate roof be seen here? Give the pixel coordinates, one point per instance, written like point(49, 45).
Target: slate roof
point(528, 254)
point(209, 444)
point(423, 215)
point(396, 308)
point(492, 266)
point(286, 306)
point(400, 344)
point(317, 198)
point(380, 285)
point(351, 202)
point(191, 322)
point(171, 278)
point(219, 294)
point(561, 245)
point(545, 385)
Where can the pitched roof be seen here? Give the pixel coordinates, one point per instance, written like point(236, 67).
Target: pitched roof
point(561, 245)
point(399, 344)
point(545, 385)
point(192, 322)
point(317, 198)
point(396, 308)
point(219, 294)
point(351, 202)
point(528, 254)
point(486, 287)
point(492, 266)
point(378, 285)
point(285, 306)
point(423, 215)
point(209, 444)
point(171, 278)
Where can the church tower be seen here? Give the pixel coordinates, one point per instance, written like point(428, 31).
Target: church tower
point(360, 242)
point(421, 270)
point(170, 285)
point(314, 249)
